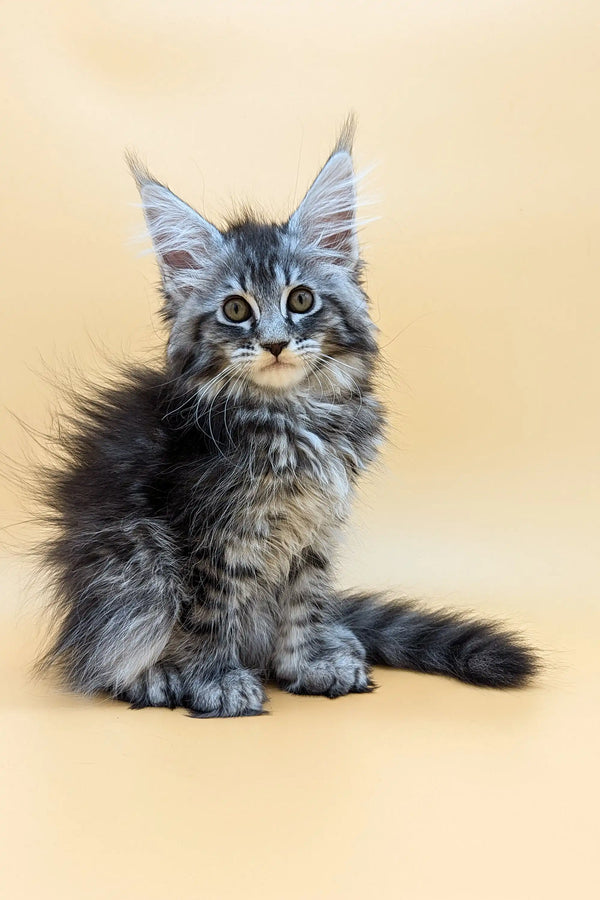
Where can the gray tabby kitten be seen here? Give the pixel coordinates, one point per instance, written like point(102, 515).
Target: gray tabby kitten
point(198, 506)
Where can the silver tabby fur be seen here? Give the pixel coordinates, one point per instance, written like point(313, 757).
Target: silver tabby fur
point(198, 506)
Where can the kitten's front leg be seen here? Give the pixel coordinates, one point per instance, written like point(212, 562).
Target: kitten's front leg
point(313, 654)
point(214, 648)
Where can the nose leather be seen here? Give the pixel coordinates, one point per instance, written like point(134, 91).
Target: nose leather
point(275, 347)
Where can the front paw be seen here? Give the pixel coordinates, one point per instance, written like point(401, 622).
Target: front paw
point(335, 668)
point(332, 678)
point(236, 692)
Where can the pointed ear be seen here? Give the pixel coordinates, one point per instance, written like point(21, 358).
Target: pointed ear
point(183, 240)
point(325, 221)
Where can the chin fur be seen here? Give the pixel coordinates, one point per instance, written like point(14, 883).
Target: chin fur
point(279, 376)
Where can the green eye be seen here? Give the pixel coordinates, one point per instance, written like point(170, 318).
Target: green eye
point(236, 309)
point(300, 300)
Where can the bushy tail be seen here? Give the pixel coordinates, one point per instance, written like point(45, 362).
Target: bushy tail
point(401, 634)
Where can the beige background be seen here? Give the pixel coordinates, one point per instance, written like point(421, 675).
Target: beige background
point(483, 120)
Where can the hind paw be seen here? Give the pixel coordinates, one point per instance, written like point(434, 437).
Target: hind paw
point(160, 685)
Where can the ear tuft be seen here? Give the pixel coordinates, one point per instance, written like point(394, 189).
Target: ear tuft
point(345, 140)
point(137, 168)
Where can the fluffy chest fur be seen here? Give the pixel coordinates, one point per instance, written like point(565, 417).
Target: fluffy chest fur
point(282, 481)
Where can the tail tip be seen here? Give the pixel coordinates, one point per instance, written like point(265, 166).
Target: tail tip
point(504, 662)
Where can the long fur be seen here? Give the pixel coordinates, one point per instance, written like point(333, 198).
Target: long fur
point(198, 505)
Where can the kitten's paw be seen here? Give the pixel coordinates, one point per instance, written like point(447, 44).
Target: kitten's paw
point(338, 668)
point(237, 692)
point(160, 685)
point(333, 678)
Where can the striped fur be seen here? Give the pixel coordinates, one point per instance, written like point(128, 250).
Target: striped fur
point(197, 506)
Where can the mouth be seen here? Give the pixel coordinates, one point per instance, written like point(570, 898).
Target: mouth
point(279, 375)
point(279, 364)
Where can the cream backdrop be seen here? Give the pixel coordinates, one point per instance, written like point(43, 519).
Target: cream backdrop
point(482, 120)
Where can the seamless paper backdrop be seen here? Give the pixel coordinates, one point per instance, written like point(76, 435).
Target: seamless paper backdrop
point(478, 125)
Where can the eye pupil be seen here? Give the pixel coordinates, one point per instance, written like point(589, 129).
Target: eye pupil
point(300, 300)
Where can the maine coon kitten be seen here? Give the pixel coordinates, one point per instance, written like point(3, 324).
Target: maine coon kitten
point(198, 505)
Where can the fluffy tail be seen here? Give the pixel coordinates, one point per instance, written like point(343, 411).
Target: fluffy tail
point(401, 634)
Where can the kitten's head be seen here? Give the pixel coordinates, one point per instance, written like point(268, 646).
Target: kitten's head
point(274, 309)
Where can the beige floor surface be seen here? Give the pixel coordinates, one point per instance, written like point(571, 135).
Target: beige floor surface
point(483, 270)
point(425, 788)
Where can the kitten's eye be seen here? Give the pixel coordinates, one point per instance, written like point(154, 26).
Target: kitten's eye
point(237, 309)
point(300, 300)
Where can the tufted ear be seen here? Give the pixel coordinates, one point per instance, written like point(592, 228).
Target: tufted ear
point(325, 221)
point(184, 242)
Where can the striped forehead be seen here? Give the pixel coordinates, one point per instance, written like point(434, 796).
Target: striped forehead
point(259, 258)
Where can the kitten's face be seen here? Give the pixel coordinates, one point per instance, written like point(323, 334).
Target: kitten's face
point(272, 309)
point(274, 318)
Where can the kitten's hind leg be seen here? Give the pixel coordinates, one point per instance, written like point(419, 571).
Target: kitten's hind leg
point(207, 666)
point(118, 597)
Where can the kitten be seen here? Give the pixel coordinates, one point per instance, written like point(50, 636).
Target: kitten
point(198, 506)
